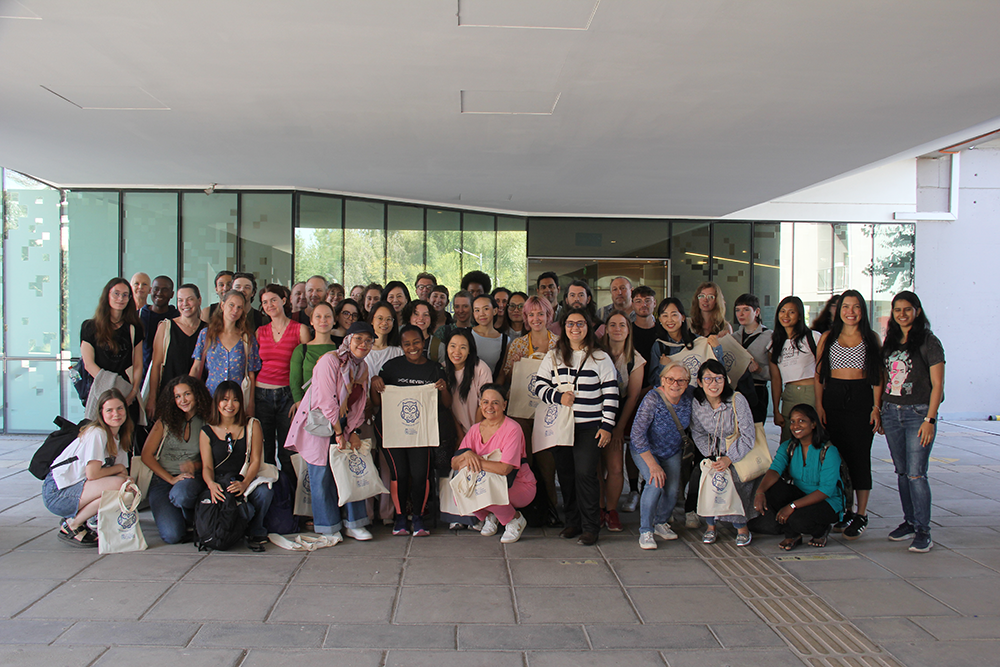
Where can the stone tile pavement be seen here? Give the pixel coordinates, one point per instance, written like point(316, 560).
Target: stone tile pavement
point(462, 599)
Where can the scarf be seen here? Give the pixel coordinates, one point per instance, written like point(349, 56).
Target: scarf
point(350, 369)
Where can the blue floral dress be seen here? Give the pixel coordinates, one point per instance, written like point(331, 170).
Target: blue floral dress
point(223, 364)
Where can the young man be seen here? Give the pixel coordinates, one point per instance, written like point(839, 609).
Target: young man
point(621, 299)
point(644, 324)
point(424, 284)
point(476, 283)
point(140, 289)
point(223, 283)
point(246, 283)
point(547, 287)
point(152, 314)
point(578, 295)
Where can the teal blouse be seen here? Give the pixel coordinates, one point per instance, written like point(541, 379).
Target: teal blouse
point(811, 475)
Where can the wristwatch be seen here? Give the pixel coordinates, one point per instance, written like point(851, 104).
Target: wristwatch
point(930, 420)
point(792, 505)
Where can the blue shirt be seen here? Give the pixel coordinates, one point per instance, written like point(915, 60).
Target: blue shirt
point(812, 475)
point(654, 429)
point(223, 364)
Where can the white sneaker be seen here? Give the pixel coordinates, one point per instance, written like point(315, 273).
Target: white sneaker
point(490, 526)
point(512, 533)
point(478, 525)
point(663, 531)
point(360, 534)
point(692, 520)
point(646, 540)
point(631, 502)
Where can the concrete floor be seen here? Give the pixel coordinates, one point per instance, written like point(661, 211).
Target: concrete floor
point(463, 599)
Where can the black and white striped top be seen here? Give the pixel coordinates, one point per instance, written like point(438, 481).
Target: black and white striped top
point(595, 388)
point(847, 357)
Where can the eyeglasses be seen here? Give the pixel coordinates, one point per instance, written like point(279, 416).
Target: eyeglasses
point(718, 379)
point(706, 297)
point(675, 381)
point(515, 306)
point(576, 325)
point(229, 442)
point(349, 315)
point(120, 295)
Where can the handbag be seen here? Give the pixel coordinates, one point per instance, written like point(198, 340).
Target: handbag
point(717, 495)
point(410, 416)
point(758, 460)
point(688, 448)
point(144, 392)
point(355, 474)
point(267, 473)
point(523, 400)
point(302, 505)
point(143, 475)
point(473, 491)
point(118, 528)
point(316, 422)
point(555, 424)
point(691, 359)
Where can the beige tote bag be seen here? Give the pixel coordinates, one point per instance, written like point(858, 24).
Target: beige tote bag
point(410, 416)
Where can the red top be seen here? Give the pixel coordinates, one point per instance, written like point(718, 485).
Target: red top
point(277, 357)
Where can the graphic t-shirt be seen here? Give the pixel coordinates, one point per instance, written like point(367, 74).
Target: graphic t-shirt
point(402, 373)
point(909, 375)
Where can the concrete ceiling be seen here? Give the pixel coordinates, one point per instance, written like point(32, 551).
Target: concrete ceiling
point(653, 107)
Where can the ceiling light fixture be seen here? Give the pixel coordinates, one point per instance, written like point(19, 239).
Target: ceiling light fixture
point(210, 189)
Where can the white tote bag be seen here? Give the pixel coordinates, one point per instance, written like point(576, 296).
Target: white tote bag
point(118, 528)
point(691, 359)
point(735, 358)
point(717, 494)
point(554, 423)
point(354, 473)
point(473, 491)
point(447, 496)
point(523, 399)
point(410, 416)
point(303, 505)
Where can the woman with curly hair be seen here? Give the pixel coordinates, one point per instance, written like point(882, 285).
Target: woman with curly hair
point(171, 452)
point(708, 311)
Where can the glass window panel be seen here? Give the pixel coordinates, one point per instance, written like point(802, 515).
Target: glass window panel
point(266, 243)
point(479, 244)
point(405, 255)
point(689, 259)
point(93, 248)
point(813, 265)
point(444, 247)
point(150, 234)
point(32, 267)
point(33, 396)
point(364, 242)
point(209, 237)
point(319, 238)
point(598, 237)
point(767, 283)
point(891, 269)
point(731, 261)
point(512, 253)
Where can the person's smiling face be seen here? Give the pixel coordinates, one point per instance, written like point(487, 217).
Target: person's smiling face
point(458, 350)
point(361, 345)
point(188, 304)
point(383, 320)
point(413, 346)
point(492, 405)
point(421, 317)
point(671, 320)
point(576, 328)
point(322, 319)
point(904, 313)
point(618, 328)
point(184, 398)
point(712, 383)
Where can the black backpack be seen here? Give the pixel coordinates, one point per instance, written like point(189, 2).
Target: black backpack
point(55, 444)
point(219, 525)
point(82, 381)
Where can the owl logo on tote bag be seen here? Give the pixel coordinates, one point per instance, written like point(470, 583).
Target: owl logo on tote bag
point(531, 385)
point(409, 411)
point(126, 520)
point(551, 415)
point(356, 464)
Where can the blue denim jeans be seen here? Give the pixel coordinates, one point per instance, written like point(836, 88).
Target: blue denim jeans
point(326, 503)
point(173, 506)
point(259, 501)
point(657, 504)
point(901, 424)
point(271, 407)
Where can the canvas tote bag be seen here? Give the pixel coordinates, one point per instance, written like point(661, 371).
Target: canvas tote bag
point(691, 359)
point(472, 491)
point(523, 400)
point(118, 528)
point(758, 461)
point(735, 358)
point(717, 494)
point(355, 474)
point(303, 504)
point(410, 416)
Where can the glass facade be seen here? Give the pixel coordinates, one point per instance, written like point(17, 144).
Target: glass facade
point(60, 248)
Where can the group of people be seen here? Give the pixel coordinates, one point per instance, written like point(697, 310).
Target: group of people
point(212, 395)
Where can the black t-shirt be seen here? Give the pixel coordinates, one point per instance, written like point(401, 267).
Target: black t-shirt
point(226, 464)
point(642, 340)
point(400, 372)
point(178, 354)
point(109, 360)
point(909, 375)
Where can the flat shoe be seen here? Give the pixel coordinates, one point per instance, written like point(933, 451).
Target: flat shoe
point(587, 539)
point(786, 545)
point(569, 532)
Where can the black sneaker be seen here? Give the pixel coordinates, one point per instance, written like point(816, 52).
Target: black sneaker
point(853, 530)
point(841, 525)
point(922, 543)
point(902, 532)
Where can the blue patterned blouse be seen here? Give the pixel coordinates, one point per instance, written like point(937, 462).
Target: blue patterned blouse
point(223, 364)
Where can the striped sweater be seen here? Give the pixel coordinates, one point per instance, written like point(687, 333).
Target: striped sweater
point(595, 390)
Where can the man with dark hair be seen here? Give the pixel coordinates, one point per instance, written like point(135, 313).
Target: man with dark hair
point(547, 287)
point(644, 334)
point(476, 283)
point(578, 295)
point(423, 285)
point(152, 314)
point(223, 283)
point(246, 282)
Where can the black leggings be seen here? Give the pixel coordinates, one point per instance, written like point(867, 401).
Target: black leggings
point(409, 470)
point(848, 405)
point(811, 520)
point(577, 469)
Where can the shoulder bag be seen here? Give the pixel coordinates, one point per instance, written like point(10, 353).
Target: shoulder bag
point(758, 461)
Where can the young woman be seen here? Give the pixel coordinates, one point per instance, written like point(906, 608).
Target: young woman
point(227, 349)
point(656, 447)
point(112, 340)
point(276, 341)
point(629, 371)
point(848, 386)
point(515, 315)
point(358, 294)
point(373, 294)
point(439, 299)
point(825, 319)
point(340, 390)
point(397, 294)
point(578, 361)
point(93, 463)
point(223, 445)
point(183, 336)
point(814, 499)
point(410, 467)
point(670, 314)
point(497, 431)
point(334, 294)
point(184, 409)
point(792, 361)
point(722, 428)
point(914, 365)
point(461, 356)
point(491, 344)
point(346, 313)
point(304, 357)
point(501, 295)
point(420, 314)
point(708, 311)
point(754, 337)
point(386, 346)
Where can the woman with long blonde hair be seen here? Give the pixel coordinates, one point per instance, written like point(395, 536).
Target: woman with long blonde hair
point(708, 311)
point(227, 348)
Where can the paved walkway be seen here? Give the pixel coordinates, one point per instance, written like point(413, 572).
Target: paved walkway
point(462, 599)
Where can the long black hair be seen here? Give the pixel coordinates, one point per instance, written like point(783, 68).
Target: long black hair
point(809, 412)
point(873, 356)
point(393, 338)
point(713, 366)
point(918, 330)
point(687, 337)
point(469, 373)
point(173, 419)
point(800, 332)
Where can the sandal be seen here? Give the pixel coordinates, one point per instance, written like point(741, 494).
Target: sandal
point(819, 541)
point(81, 537)
point(790, 543)
point(256, 544)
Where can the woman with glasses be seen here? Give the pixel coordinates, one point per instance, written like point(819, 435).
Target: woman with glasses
point(723, 430)
point(345, 313)
point(708, 311)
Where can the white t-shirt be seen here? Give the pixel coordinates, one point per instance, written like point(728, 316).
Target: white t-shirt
point(377, 358)
point(795, 363)
point(90, 446)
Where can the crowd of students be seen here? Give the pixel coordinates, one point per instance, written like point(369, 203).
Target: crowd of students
point(211, 395)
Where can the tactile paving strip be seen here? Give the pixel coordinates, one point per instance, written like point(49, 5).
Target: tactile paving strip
point(815, 631)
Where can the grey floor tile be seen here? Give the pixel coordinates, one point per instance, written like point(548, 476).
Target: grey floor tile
point(655, 571)
point(952, 628)
point(456, 570)
point(107, 633)
point(260, 635)
point(455, 604)
point(888, 629)
point(350, 570)
point(691, 604)
point(162, 657)
point(316, 603)
point(404, 658)
point(593, 659)
point(444, 546)
point(550, 547)
point(650, 636)
point(976, 506)
point(58, 560)
point(521, 637)
point(727, 658)
point(562, 572)
point(125, 601)
point(218, 602)
point(11, 538)
point(543, 604)
point(747, 635)
point(383, 636)
point(326, 657)
point(836, 569)
point(987, 557)
point(139, 566)
point(20, 594)
point(971, 596)
point(263, 570)
point(19, 631)
point(629, 548)
point(938, 562)
point(385, 545)
point(50, 656)
point(882, 598)
point(966, 538)
point(960, 653)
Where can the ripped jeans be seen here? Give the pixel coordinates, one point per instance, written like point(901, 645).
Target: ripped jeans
point(901, 424)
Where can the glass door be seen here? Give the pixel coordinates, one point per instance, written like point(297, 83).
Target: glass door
point(599, 272)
